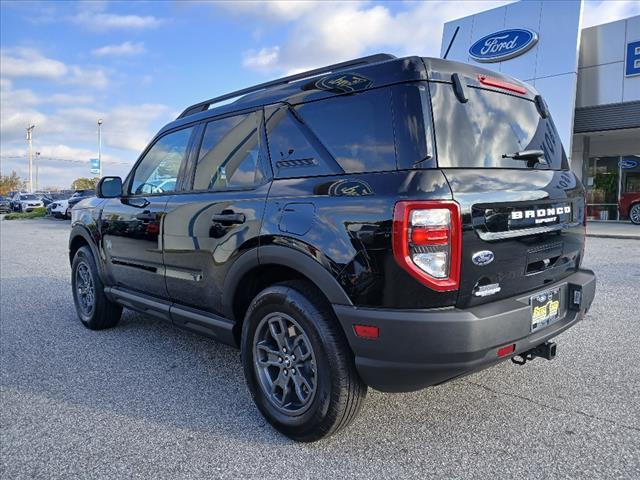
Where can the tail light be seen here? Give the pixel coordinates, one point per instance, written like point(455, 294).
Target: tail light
point(427, 242)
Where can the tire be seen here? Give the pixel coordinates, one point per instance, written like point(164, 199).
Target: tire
point(94, 309)
point(302, 320)
point(67, 216)
point(634, 214)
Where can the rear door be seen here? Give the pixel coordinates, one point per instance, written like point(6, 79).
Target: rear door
point(522, 218)
point(214, 221)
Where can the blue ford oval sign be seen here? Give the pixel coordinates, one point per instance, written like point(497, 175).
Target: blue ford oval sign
point(503, 45)
point(484, 257)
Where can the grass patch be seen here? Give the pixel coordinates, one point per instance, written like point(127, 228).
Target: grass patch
point(35, 213)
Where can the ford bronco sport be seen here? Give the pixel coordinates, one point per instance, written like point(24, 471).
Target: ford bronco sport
point(385, 222)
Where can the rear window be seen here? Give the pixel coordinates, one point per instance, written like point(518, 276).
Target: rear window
point(477, 133)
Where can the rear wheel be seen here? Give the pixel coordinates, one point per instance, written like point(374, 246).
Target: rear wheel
point(94, 309)
point(634, 214)
point(297, 363)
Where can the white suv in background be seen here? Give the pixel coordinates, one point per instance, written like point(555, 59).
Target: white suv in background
point(59, 208)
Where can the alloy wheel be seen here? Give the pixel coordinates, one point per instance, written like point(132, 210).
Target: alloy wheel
point(85, 289)
point(285, 364)
point(634, 214)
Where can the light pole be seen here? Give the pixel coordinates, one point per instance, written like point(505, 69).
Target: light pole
point(37, 170)
point(29, 138)
point(100, 146)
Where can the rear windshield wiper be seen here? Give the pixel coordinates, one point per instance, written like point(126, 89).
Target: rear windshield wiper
point(531, 156)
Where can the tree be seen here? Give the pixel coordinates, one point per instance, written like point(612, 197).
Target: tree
point(10, 183)
point(83, 183)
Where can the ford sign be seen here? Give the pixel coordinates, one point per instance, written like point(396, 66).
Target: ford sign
point(503, 45)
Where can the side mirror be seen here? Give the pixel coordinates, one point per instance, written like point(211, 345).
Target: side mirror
point(109, 187)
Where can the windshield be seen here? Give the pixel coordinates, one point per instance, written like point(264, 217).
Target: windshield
point(28, 197)
point(477, 134)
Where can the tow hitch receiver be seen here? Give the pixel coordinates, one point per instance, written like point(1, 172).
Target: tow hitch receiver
point(545, 350)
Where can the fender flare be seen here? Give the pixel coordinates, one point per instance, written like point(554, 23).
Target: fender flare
point(80, 230)
point(286, 257)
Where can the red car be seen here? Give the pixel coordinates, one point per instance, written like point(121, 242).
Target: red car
point(630, 206)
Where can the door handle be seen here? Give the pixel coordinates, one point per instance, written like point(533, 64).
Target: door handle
point(147, 216)
point(229, 218)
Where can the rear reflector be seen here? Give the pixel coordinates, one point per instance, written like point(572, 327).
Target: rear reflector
point(367, 331)
point(504, 351)
point(494, 82)
point(430, 236)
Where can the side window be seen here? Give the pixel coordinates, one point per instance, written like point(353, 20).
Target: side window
point(357, 129)
point(294, 149)
point(230, 154)
point(413, 126)
point(158, 170)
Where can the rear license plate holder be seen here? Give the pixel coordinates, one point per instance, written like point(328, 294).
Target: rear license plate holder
point(545, 308)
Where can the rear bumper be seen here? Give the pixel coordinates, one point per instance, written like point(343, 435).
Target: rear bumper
point(418, 348)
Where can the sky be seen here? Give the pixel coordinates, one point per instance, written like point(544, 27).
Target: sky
point(137, 65)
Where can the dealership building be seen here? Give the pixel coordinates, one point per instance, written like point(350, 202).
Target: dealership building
point(590, 78)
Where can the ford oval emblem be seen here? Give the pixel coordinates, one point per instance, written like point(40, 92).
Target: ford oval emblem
point(485, 257)
point(503, 45)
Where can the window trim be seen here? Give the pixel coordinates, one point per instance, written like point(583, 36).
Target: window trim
point(126, 185)
point(262, 151)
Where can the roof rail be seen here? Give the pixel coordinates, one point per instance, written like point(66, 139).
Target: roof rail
point(202, 106)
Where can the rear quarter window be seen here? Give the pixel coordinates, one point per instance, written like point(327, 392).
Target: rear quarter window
point(344, 134)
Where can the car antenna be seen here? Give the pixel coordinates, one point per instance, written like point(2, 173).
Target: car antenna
point(455, 33)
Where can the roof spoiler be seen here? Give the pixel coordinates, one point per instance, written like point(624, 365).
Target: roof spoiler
point(202, 106)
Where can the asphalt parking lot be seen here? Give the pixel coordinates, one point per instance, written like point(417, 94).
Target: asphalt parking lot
point(146, 400)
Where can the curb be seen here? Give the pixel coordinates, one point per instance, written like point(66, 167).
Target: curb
point(611, 235)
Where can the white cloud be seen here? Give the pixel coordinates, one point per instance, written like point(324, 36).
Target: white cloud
point(263, 59)
point(327, 32)
point(66, 132)
point(121, 49)
point(28, 62)
point(279, 10)
point(605, 11)
point(102, 21)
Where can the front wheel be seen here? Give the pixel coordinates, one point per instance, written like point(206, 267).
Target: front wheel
point(297, 363)
point(634, 214)
point(94, 309)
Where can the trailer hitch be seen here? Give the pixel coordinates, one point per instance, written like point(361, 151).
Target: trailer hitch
point(545, 350)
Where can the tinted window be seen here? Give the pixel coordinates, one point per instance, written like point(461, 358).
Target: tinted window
point(413, 126)
point(158, 170)
point(476, 134)
point(357, 130)
point(349, 133)
point(295, 151)
point(229, 156)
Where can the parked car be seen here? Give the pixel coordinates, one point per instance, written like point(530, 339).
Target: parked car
point(630, 206)
point(10, 196)
point(49, 197)
point(77, 197)
point(5, 204)
point(398, 232)
point(26, 202)
point(59, 208)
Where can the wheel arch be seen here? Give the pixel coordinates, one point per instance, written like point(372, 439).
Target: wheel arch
point(266, 265)
point(81, 236)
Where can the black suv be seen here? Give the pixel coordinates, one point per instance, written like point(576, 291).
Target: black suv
point(385, 222)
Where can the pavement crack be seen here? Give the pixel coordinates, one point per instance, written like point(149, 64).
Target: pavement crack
point(553, 407)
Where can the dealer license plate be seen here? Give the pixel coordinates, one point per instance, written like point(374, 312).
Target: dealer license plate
point(545, 309)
